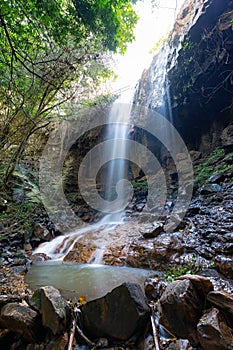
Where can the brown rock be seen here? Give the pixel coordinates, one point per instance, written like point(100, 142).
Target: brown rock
point(202, 284)
point(42, 233)
point(195, 155)
point(155, 253)
point(154, 288)
point(22, 320)
point(180, 308)
point(224, 302)
point(213, 333)
point(120, 314)
point(81, 253)
point(224, 265)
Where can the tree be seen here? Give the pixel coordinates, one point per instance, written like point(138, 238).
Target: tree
point(52, 52)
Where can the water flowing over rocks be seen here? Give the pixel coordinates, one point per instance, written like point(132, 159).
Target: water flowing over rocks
point(196, 307)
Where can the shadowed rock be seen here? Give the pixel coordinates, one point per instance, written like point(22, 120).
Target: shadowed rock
point(213, 332)
point(22, 320)
point(120, 314)
point(180, 308)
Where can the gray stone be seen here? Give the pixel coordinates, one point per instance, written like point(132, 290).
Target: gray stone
point(22, 320)
point(53, 308)
point(120, 314)
point(213, 332)
point(210, 189)
point(227, 137)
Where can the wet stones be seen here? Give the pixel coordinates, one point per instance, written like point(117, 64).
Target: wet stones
point(224, 302)
point(210, 188)
point(154, 288)
point(155, 253)
point(189, 308)
point(224, 265)
point(43, 317)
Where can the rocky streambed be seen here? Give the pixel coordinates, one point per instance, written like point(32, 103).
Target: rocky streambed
point(196, 307)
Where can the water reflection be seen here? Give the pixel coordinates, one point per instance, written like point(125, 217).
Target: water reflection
point(89, 280)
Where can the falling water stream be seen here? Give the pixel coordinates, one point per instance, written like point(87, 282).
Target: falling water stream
point(93, 280)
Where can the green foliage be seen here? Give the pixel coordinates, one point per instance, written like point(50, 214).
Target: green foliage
point(216, 154)
point(22, 215)
point(215, 163)
point(191, 268)
point(188, 44)
point(142, 185)
point(111, 20)
point(159, 44)
point(53, 52)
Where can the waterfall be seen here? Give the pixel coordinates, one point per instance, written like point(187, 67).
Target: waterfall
point(115, 191)
point(117, 169)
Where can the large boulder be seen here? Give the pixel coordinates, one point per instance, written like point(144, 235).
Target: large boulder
point(22, 320)
point(53, 308)
point(181, 305)
point(213, 332)
point(119, 315)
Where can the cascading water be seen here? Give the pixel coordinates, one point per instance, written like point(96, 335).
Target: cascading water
point(117, 168)
point(103, 233)
point(90, 280)
point(115, 189)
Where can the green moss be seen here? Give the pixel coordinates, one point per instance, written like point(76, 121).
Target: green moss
point(36, 298)
point(22, 214)
point(143, 185)
point(216, 162)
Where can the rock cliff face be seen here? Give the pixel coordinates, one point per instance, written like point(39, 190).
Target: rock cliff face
point(198, 62)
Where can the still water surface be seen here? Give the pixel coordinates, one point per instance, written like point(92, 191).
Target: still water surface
point(89, 280)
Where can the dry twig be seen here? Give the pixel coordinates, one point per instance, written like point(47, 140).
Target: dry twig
point(154, 329)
